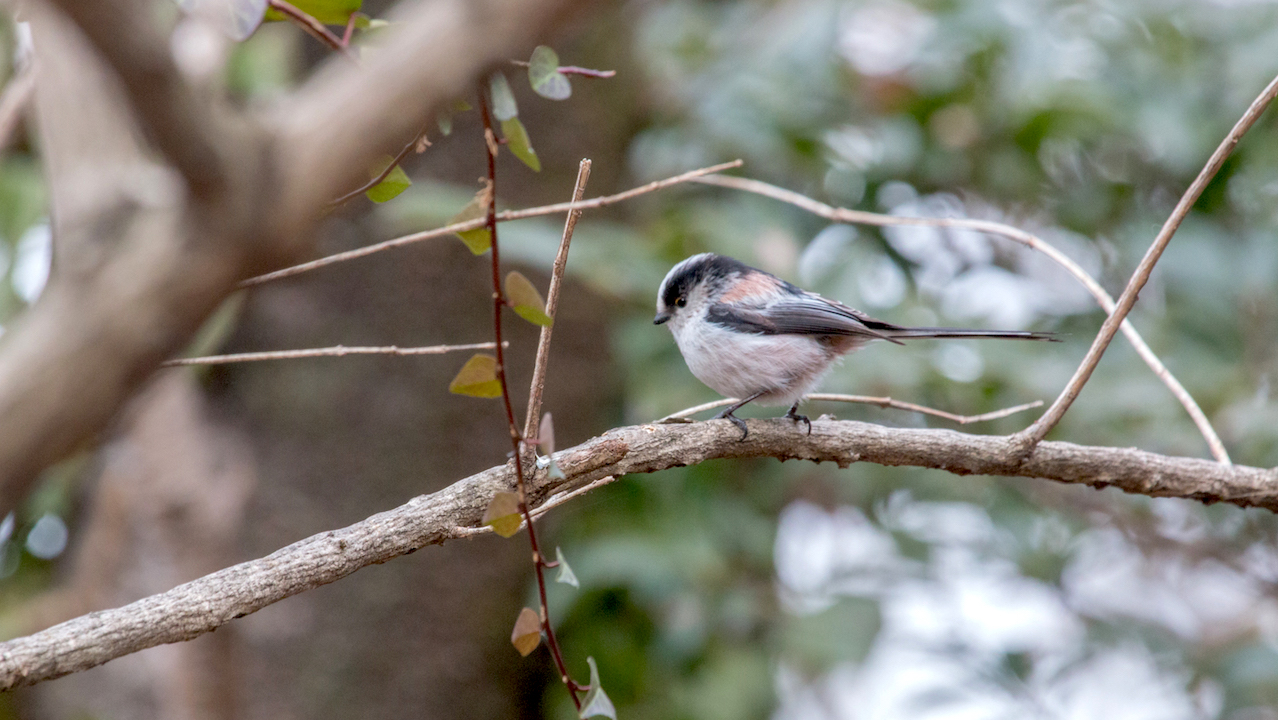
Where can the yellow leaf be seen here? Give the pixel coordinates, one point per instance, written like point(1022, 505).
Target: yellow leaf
point(527, 302)
point(479, 239)
point(477, 378)
point(503, 514)
point(527, 633)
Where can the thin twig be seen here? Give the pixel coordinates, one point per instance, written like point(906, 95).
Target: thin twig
point(394, 163)
point(335, 351)
point(552, 304)
point(499, 303)
point(313, 27)
point(883, 402)
point(1014, 234)
point(1034, 434)
point(586, 72)
point(505, 216)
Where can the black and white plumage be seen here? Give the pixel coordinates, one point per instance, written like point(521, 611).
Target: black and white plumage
point(751, 335)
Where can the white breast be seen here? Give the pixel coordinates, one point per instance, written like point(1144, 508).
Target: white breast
point(739, 365)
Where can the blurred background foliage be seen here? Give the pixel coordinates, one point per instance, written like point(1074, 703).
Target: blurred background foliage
point(755, 589)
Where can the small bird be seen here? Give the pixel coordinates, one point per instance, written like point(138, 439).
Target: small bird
point(751, 335)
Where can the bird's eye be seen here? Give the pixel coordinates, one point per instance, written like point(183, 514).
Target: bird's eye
point(682, 301)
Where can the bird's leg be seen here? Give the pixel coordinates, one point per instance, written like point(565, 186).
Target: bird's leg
point(727, 414)
point(793, 414)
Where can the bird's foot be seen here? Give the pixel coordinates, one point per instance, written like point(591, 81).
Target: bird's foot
point(791, 414)
point(727, 415)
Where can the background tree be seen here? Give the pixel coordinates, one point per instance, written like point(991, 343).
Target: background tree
point(734, 588)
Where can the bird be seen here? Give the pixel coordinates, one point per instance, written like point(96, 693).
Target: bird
point(748, 334)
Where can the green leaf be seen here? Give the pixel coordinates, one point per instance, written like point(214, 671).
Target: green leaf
point(479, 239)
point(460, 106)
point(502, 514)
point(566, 575)
point(395, 182)
point(477, 378)
point(525, 300)
point(364, 22)
point(517, 140)
point(527, 633)
point(504, 107)
point(328, 12)
point(596, 702)
point(544, 75)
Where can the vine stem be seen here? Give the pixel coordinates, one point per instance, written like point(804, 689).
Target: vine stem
point(516, 440)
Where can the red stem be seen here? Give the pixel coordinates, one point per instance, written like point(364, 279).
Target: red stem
point(312, 26)
point(499, 301)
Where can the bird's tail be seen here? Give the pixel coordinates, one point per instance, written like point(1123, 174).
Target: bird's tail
point(943, 332)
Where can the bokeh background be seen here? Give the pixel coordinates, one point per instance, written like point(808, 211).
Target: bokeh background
point(743, 589)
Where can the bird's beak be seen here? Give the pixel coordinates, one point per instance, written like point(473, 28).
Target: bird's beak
point(661, 317)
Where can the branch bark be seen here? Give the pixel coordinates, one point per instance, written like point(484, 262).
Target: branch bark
point(144, 252)
point(203, 605)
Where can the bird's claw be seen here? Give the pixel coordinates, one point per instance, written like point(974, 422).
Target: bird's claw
point(727, 415)
point(792, 415)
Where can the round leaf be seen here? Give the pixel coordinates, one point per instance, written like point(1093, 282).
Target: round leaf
point(527, 633)
point(477, 378)
point(544, 75)
point(395, 182)
point(525, 300)
point(502, 514)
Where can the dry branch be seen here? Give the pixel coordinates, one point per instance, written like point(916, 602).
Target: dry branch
point(1035, 433)
point(334, 351)
point(860, 217)
point(203, 605)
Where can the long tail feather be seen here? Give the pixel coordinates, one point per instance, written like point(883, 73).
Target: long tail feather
point(942, 332)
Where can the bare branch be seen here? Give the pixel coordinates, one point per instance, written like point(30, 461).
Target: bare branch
point(480, 222)
point(1035, 433)
point(203, 605)
point(335, 351)
point(1011, 233)
point(883, 402)
point(552, 305)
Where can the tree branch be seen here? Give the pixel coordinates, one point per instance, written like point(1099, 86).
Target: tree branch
point(538, 385)
point(504, 216)
point(1028, 438)
point(142, 254)
point(203, 605)
point(859, 217)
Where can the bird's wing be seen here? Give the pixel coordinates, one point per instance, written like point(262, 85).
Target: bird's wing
point(801, 314)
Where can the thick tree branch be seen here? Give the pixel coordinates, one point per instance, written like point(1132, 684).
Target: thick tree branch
point(144, 254)
point(345, 115)
point(203, 605)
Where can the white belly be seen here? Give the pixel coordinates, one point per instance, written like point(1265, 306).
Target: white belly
point(734, 364)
